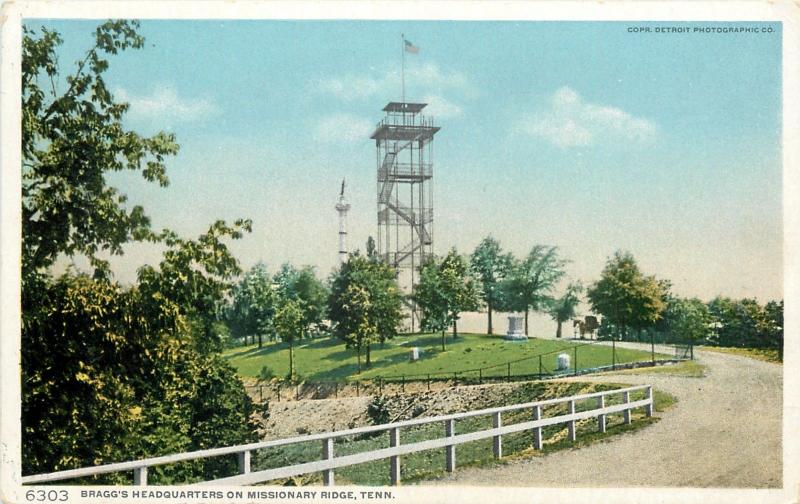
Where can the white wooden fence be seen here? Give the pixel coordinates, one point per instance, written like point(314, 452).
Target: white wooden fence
point(329, 462)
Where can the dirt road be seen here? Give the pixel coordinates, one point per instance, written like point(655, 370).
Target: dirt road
point(725, 431)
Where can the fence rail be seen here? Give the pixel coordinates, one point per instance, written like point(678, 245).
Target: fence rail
point(329, 461)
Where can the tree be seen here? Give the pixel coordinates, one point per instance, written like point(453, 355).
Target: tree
point(372, 251)
point(113, 373)
point(687, 319)
point(380, 302)
point(196, 275)
point(132, 374)
point(360, 329)
point(774, 316)
point(290, 325)
point(303, 285)
point(445, 290)
point(531, 280)
point(563, 308)
point(70, 140)
point(626, 297)
point(253, 304)
point(490, 266)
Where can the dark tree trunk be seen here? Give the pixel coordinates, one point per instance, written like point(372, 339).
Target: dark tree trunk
point(489, 306)
point(369, 361)
point(558, 331)
point(358, 353)
point(526, 322)
point(291, 361)
point(260, 344)
point(455, 328)
point(443, 347)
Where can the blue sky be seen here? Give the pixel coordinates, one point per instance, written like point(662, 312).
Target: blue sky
point(580, 135)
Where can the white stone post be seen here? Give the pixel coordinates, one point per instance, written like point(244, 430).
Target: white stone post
point(601, 419)
point(537, 431)
point(244, 462)
point(327, 454)
point(394, 469)
point(450, 450)
point(497, 441)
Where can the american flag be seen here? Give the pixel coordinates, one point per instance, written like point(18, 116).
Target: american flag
point(411, 47)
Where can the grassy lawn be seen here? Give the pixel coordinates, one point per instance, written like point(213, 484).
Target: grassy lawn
point(327, 359)
point(429, 464)
point(688, 368)
point(762, 354)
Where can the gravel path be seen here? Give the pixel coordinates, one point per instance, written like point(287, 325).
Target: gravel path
point(725, 431)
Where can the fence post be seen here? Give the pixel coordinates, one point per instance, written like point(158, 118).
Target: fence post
point(497, 441)
point(652, 348)
point(480, 376)
point(261, 393)
point(649, 408)
point(140, 476)
point(327, 454)
point(429, 382)
point(450, 450)
point(540, 367)
point(571, 423)
point(613, 354)
point(297, 392)
point(601, 419)
point(243, 459)
point(394, 469)
point(358, 388)
point(509, 372)
point(626, 415)
point(537, 431)
point(575, 363)
point(279, 391)
point(403, 383)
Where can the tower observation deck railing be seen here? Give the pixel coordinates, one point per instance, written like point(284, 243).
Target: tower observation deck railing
point(405, 171)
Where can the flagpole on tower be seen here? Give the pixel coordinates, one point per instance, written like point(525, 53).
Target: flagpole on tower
point(403, 67)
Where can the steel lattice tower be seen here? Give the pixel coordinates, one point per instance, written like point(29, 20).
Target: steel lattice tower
point(404, 143)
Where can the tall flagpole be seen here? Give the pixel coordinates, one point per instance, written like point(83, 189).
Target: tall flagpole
point(403, 66)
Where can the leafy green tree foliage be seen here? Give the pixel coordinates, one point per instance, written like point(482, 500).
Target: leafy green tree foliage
point(375, 313)
point(563, 309)
point(626, 297)
point(529, 286)
point(195, 275)
point(72, 135)
point(745, 323)
point(302, 285)
point(290, 325)
point(112, 373)
point(687, 319)
point(253, 304)
point(445, 290)
point(774, 329)
point(372, 250)
point(490, 266)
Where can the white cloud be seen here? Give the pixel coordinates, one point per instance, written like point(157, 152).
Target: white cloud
point(420, 78)
point(440, 107)
point(164, 103)
point(569, 121)
point(343, 127)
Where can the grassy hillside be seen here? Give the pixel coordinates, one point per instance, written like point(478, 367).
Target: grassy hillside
point(327, 358)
